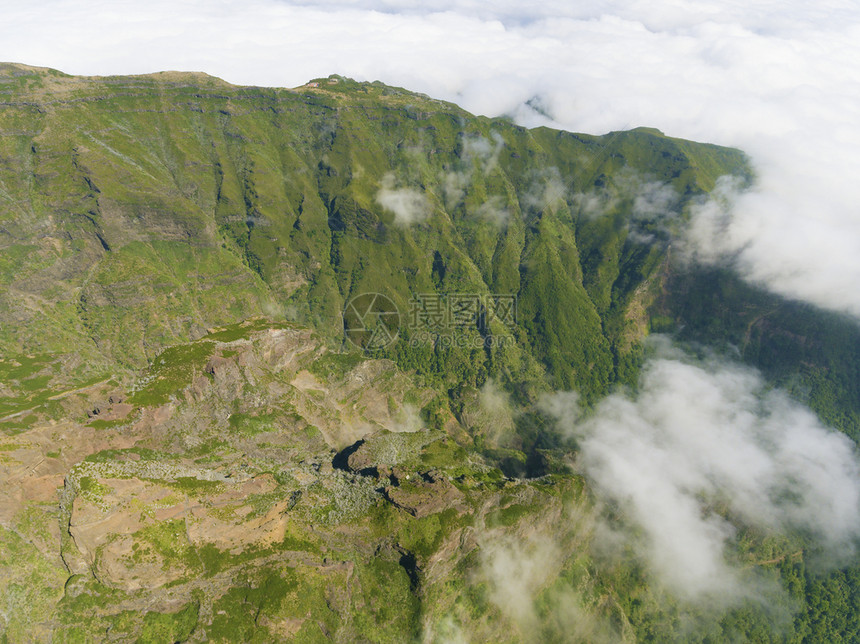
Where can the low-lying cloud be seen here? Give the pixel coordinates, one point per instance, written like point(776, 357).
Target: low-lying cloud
point(410, 206)
point(704, 435)
point(546, 190)
point(407, 419)
point(710, 238)
point(495, 211)
point(483, 152)
point(522, 572)
point(498, 412)
point(647, 205)
point(478, 154)
point(762, 233)
point(517, 569)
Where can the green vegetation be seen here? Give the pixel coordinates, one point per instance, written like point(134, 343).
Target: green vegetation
point(30, 586)
point(335, 365)
point(237, 203)
point(169, 627)
point(195, 487)
point(167, 540)
point(170, 372)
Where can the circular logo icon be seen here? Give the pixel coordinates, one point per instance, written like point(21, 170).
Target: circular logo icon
point(371, 321)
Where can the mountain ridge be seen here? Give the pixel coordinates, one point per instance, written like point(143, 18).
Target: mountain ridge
point(238, 198)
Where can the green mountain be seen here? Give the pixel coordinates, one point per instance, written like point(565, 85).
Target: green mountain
point(192, 446)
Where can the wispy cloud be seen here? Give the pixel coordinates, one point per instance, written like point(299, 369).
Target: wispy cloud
point(703, 447)
point(522, 572)
point(409, 205)
point(546, 190)
point(647, 205)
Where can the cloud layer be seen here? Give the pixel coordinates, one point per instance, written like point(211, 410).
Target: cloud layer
point(779, 79)
point(410, 206)
point(699, 436)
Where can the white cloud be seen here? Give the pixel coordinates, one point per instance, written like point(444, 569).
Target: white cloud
point(479, 154)
point(407, 419)
point(779, 79)
point(498, 412)
point(517, 569)
point(522, 571)
point(546, 190)
point(648, 205)
point(482, 151)
point(495, 211)
point(699, 435)
point(710, 236)
point(410, 206)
